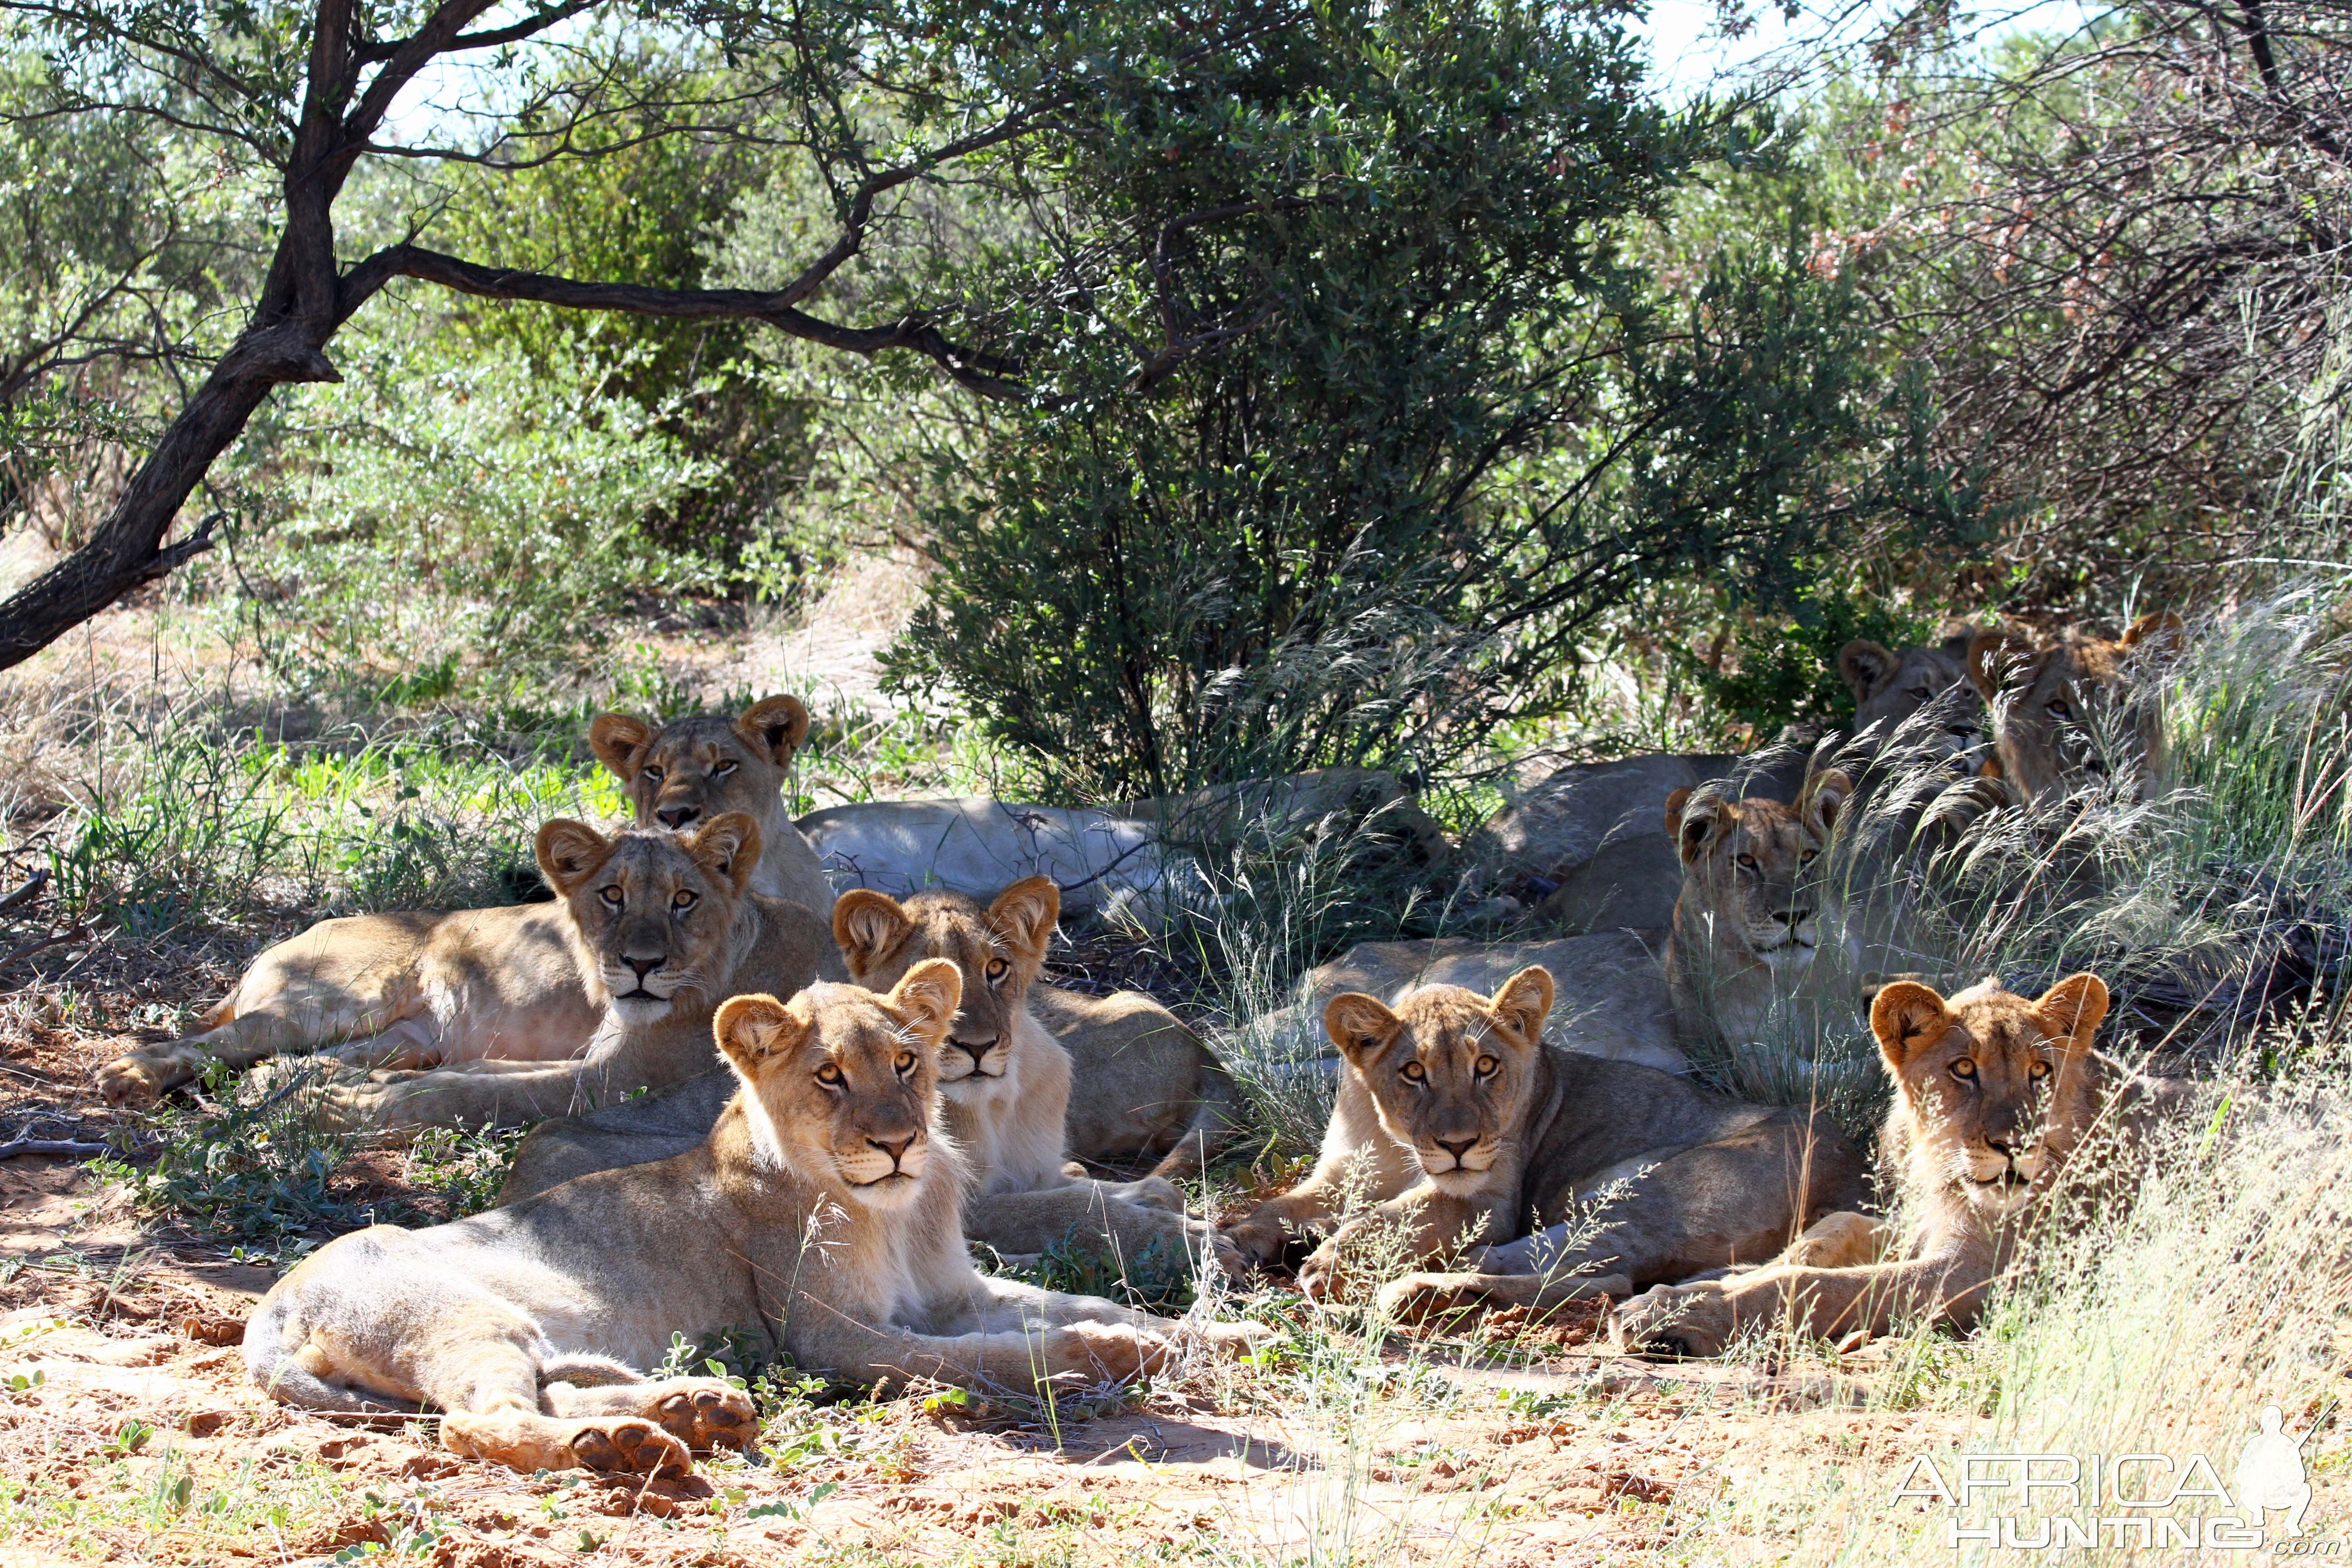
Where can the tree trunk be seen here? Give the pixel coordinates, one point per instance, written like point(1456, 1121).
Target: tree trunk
point(128, 548)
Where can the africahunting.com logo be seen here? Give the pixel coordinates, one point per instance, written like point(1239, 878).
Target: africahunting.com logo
point(2049, 1503)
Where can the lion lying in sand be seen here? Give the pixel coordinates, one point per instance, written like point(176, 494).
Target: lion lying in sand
point(1460, 1127)
point(820, 1217)
point(1994, 1094)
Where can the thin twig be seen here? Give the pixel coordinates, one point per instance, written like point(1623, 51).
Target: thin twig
point(27, 893)
point(53, 940)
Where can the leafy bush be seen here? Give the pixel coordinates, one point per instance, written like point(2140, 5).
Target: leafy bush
point(1431, 424)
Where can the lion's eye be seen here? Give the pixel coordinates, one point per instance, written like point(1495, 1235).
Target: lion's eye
point(996, 968)
point(654, 776)
point(684, 900)
point(723, 769)
point(1965, 1070)
point(906, 1061)
point(2059, 709)
point(1748, 861)
point(612, 897)
point(829, 1076)
point(1921, 692)
point(1487, 1067)
point(1809, 856)
point(1413, 1072)
point(2038, 1071)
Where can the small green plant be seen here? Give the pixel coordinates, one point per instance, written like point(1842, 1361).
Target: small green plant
point(258, 1163)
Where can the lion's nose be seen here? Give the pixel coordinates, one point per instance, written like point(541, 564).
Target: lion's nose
point(897, 1152)
point(644, 966)
point(1457, 1147)
point(675, 816)
point(976, 1049)
point(1792, 919)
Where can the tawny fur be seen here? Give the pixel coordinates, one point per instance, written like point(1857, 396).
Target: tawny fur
point(1461, 1129)
point(1995, 1094)
point(819, 1218)
point(413, 990)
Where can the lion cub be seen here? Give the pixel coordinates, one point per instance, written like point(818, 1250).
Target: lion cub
point(661, 927)
point(1748, 921)
point(1994, 1093)
point(819, 1218)
point(1004, 1080)
point(416, 989)
point(1461, 1128)
point(2070, 708)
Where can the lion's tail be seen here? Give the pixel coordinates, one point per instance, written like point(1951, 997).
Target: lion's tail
point(278, 1374)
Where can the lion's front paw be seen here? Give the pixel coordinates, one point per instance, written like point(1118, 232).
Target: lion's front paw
point(1321, 1279)
point(138, 1078)
point(1257, 1243)
point(1418, 1298)
point(628, 1444)
point(706, 1412)
point(1114, 1351)
point(1692, 1320)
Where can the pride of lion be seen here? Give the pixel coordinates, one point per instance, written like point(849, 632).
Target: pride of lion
point(764, 1110)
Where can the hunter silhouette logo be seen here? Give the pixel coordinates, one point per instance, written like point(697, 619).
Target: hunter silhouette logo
point(2271, 1477)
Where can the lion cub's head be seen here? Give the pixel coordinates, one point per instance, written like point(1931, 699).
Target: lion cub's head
point(1997, 1087)
point(655, 912)
point(2073, 708)
point(1451, 1073)
point(691, 769)
point(1919, 700)
point(839, 1083)
point(1747, 864)
point(997, 950)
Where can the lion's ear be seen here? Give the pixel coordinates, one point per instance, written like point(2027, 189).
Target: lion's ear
point(1991, 656)
point(1825, 796)
point(776, 725)
point(1360, 1025)
point(868, 927)
point(927, 996)
point(727, 845)
point(617, 739)
point(749, 1029)
point(1024, 915)
point(1695, 821)
point(1867, 667)
point(2159, 633)
point(2072, 1009)
point(569, 853)
point(1908, 1017)
point(1524, 1002)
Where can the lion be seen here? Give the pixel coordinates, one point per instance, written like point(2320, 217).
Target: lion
point(663, 927)
point(1918, 701)
point(2069, 708)
point(1463, 1129)
point(416, 989)
point(1749, 921)
point(819, 1218)
point(1995, 1093)
point(1005, 1084)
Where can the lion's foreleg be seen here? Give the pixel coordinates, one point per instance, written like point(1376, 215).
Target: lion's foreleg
point(700, 1412)
point(481, 1366)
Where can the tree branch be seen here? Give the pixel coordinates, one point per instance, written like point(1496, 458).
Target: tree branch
point(980, 371)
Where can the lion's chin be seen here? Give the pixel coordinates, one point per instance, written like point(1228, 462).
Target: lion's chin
point(1788, 955)
point(641, 1010)
point(2003, 1195)
point(895, 1191)
point(1457, 1177)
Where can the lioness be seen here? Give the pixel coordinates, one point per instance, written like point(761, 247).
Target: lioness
point(1917, 700)
point(1993, 1094)
point(1463, 1127)
point(819, 1218)
point(1005, 1083)
point(665, 928)
point(1748, 921)
point(2069, 708)
point(416, 989)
